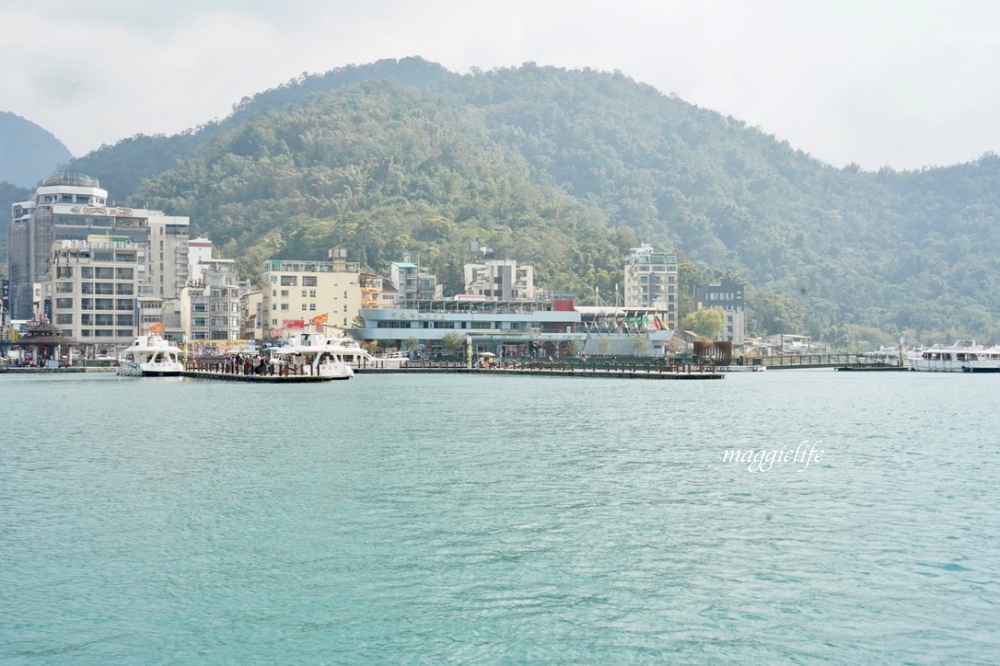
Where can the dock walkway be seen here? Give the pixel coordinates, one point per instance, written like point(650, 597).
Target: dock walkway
point(540, 369)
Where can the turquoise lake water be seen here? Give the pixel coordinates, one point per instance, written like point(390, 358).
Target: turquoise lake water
point(488, 519)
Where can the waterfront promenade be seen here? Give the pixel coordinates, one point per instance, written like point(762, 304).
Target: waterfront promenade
point(635, 368)
point(651, 369)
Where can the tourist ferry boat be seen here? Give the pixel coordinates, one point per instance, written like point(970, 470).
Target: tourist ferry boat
point(962, 356)
point(314, 355)
point(151, 356)
point(358, 358)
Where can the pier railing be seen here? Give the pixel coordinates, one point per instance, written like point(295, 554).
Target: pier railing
point(660, 366)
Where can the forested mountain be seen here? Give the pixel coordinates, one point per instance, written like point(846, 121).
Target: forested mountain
point(567, 170)
point(28, 153)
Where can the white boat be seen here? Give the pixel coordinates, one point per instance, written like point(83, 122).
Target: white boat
point(988, 360)
point(151, 356)
point(353, 353)
point(394, 359)
point(357, 357)
point(312, 354)
point(884, 356)
point(962, 356)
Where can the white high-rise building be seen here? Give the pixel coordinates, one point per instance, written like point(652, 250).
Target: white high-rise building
point(651, 282)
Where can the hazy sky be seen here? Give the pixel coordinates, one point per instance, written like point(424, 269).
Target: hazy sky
point(903, 83)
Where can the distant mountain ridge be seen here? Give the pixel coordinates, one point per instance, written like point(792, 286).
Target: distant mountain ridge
point(567, 169)
point(28, 153)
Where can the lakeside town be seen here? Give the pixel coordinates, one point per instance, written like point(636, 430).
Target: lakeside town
point(104, 274)
point(96, 277)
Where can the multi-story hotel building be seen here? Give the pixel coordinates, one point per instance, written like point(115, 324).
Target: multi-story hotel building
point(296, 292)
point(65, 234)
point(91, 291)
point(651, 282)
point(210, 304)
point(60, 200)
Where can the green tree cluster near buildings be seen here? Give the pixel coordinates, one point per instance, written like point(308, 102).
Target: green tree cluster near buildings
point(706, 323)
point(567, 170)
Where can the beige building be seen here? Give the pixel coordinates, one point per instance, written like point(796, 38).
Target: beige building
point(297, 292)
point(210, 304)
point(500, 280)
point(90, 291)
point(252, 315)
point(651, 282)
point(168, 256)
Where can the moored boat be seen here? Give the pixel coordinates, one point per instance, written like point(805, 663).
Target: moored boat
point(314, 355)
point(962, 356)
point(396, 359)
point(151, 356)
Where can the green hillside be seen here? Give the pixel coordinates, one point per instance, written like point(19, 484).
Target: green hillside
point(28, 153)
point(566, 170)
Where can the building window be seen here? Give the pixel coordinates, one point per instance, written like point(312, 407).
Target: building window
point(64, 271)
point(64, 287)
point(64, 319)
point(125, 273)
point(284, 306)
point(87, 272)
point(289, 281)
point(309, 281)
point(64, 303)
point(123, 289)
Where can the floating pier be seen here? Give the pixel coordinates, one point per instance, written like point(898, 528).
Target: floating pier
point(260, 379)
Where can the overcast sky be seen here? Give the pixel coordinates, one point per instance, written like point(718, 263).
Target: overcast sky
point(900, 83)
